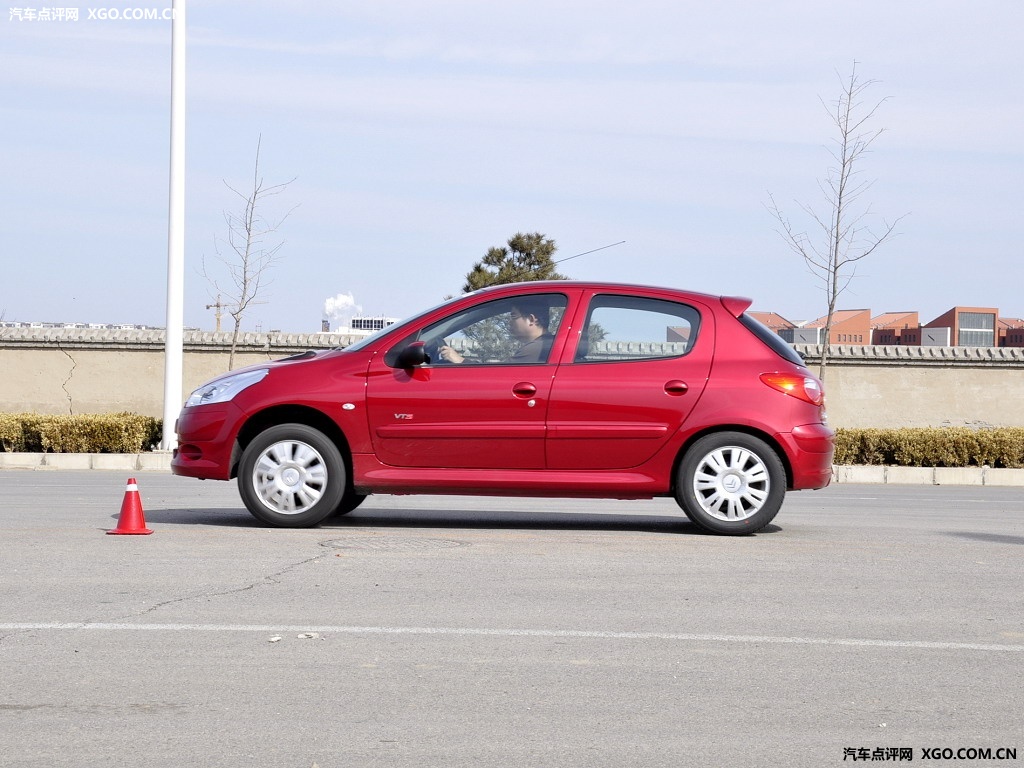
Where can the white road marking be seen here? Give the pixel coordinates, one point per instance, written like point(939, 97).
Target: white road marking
point(541, 633)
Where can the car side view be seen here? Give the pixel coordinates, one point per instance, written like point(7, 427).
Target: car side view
point(560, 388)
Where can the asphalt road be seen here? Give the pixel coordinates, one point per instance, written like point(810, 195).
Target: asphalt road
point(445, 631)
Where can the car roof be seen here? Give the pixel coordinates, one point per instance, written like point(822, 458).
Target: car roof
point(598, 285)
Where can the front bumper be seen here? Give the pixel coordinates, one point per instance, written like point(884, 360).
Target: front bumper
point(206, 438)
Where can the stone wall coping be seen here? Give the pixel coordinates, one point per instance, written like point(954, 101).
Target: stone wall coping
point(884, 354)
point(154, 338)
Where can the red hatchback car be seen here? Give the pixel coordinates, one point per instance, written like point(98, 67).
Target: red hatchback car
point(558, 388)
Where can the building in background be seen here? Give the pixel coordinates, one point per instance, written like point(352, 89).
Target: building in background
point(361, 325)
point(777, 323)
point(894, 328)
point(849, 326)
point(1011, 332)
point(958, 327)
point(962, 327)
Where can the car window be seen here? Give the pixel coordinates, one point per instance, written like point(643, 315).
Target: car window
point(771, 339)
point(509, 331)
point(622, 328)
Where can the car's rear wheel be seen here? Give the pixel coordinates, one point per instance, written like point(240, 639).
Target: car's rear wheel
point(731, 483)
point(292, 476)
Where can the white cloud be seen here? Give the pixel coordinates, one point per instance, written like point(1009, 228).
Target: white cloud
point(341, 307)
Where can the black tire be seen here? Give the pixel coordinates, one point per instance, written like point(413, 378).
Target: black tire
point(292, 476)
point(731, 483)
point(349, 501)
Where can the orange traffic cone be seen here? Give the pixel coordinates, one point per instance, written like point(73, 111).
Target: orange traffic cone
point(131, 521)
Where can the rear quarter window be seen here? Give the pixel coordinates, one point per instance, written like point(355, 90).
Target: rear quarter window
point(771, 339)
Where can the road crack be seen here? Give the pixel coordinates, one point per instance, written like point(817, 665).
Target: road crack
point(269, 579)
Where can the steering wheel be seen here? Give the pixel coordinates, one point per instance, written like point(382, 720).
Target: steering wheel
point(433, 350)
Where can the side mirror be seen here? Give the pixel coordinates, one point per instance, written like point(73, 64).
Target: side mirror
point(413, 356)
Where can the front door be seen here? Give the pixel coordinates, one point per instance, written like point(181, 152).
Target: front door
point(485, 411)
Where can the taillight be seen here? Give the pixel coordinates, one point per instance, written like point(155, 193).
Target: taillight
point(806, 388)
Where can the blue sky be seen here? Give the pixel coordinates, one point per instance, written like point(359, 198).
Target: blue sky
point(421, 134)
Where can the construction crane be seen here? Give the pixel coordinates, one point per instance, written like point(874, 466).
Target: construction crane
point(218, 314)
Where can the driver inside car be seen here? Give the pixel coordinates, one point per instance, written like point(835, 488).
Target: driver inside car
point(528, 322)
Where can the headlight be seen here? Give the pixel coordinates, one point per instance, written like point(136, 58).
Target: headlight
point(222, 390)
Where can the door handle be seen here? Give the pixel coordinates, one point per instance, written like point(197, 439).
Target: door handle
point(524, 389)
point(676, 387)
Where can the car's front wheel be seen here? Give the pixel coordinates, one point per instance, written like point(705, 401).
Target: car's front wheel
point(292, 476)
point(731, 483)
point(348, 502)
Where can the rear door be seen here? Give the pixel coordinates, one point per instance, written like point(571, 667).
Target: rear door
point(638, 369)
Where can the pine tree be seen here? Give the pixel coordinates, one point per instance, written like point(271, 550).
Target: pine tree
point(526, 257)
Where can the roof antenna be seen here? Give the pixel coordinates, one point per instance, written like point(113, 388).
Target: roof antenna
point(610, 245)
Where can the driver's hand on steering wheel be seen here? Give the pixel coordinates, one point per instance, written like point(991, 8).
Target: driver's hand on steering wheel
point(450, 355)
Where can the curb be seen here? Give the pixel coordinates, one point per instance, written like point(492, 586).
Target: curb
point(155, 461)
point(160, 461)
point(876, 475)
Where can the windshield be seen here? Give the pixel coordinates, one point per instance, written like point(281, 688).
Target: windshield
point(367, 341)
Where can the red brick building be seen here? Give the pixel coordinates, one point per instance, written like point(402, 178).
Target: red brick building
point(1011, 332)
point(963, 327)
point(849, 326)
point(776, 322)
point(896, 328)
point(958, 327)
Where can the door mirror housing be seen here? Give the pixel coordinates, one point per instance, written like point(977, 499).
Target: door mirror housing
point(413, 356)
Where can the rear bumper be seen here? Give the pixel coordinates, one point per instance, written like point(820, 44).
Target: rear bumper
point(810, 448)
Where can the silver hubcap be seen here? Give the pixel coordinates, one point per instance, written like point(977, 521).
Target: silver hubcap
point(731, 483)
point(289, 477)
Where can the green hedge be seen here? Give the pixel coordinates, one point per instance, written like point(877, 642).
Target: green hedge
point(932, 447)
point(88, 433)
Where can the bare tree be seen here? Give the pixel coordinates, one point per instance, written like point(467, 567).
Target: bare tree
point(249, 256)
point(845, 235)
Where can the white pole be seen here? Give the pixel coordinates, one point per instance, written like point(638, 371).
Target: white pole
point(173, 354)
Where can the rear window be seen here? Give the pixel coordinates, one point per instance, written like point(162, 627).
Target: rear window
point(771, 339)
